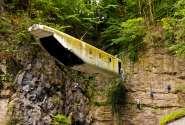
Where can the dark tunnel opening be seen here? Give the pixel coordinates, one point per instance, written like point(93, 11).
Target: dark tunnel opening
point(59, 52)
point(78, 123)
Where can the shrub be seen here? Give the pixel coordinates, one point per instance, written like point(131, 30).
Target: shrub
point(174, 29)
point(117, 99)
point(5, 26)
point(180, 10)
point(116, 96)
point(131, 37)
point(60, 119)
point(180, 88)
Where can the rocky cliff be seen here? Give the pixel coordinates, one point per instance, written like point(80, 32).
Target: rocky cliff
point(39, 88)
point(157, 81)
point(44, 88)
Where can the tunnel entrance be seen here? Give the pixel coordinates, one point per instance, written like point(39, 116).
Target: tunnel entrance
point(59, 52)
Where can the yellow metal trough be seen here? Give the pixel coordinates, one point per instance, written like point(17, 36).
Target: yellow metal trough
point(75, 53)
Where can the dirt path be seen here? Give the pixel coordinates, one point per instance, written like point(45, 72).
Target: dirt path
point(3, 111)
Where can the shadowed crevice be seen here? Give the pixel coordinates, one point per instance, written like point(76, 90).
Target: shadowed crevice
point(59, 52)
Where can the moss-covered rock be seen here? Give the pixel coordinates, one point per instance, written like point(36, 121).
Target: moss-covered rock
point(172, 116)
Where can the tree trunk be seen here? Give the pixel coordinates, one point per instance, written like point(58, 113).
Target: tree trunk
point(151, 17)
point(2, 4)
point(140, 8)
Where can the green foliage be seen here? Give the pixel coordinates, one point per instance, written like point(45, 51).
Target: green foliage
point(168, 25)
point(109, 9)
point(56, 100)
point(180, 9)
point(123, 31)
point(178, 49)
point(131, 37)
point(76, 16)
point(89, 82)
point(127, 37)
point(10, 43)
point(172, 116)
point(132, 13)
point(6, 78)
point(107, 37)
point(60, 119)
point(133, 28)
point(5, 26)
point(164, 8)
point(174, 30)
point(116, 96)
point(113, 24)
point(180, 88)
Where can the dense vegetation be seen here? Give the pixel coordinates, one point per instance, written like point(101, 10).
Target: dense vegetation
point(119, 26)
point(61, 120)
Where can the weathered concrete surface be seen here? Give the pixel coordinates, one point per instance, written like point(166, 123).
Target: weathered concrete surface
point(3, 111)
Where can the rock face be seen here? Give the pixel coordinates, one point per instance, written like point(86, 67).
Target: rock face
point(3, 111)
point(45, 89)
point(158, 73)
point(153, 81)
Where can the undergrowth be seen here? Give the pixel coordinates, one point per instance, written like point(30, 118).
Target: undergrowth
point(117, 98)
point(180, 88)
point(60, 119)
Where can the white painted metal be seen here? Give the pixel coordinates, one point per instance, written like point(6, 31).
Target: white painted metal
point(94, 58)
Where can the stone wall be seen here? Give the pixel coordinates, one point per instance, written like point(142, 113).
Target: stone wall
point(155, 71)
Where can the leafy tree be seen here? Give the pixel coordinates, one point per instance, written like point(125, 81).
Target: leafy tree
point(76, 15)
point(109, 23)
point(174, 29)
point(164, 8)
point(180, 9)
point(131, 37)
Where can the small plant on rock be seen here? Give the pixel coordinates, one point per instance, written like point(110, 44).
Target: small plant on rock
point(180, 88)
point(60, 119)
point(117, 98)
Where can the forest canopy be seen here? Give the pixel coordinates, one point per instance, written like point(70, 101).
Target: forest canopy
point(121, 27)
